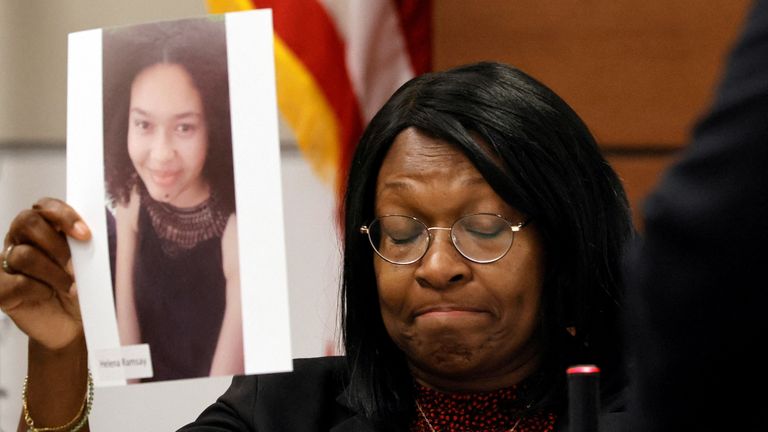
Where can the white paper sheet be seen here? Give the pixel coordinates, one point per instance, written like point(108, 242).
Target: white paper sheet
point(255, 146)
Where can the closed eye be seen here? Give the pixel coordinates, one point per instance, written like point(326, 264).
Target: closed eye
point(488, 233)
point(403, 238)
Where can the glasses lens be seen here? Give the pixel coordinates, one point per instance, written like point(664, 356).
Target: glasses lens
point(482, 237)
point(399, 239)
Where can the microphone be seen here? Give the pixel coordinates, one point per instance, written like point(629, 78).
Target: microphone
point(583, 398)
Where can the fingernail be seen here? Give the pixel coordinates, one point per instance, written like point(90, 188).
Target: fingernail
point(80, 229)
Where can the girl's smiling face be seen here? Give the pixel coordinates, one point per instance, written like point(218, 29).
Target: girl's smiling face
point(168, 135)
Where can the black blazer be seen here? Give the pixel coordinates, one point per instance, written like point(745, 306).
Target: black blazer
point(697, 285)
point(311, 398)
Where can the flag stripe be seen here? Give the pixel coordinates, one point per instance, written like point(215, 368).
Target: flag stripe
point(304, 106)
point(223, 6)
point(377, 59)
point(327, 65)
point(416, 23)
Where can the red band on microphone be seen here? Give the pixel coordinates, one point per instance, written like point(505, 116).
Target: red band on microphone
point(583, 369)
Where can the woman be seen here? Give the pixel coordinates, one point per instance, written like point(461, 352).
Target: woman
point(168, 164)
point(483, 236)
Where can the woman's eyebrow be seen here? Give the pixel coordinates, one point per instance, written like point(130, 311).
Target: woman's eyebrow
point(406, 185)
point(188, 114)
point(139, 111)
point(183, 115)
point(396, 185)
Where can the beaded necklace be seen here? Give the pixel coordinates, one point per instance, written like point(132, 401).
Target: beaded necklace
point(181, 229)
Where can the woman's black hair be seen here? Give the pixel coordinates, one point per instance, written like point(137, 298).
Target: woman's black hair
point(541, 159)
point(199, 46)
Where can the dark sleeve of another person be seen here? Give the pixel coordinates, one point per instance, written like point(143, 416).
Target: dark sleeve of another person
point(697, 287)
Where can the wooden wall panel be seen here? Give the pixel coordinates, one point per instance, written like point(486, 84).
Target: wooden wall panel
point(637, 71)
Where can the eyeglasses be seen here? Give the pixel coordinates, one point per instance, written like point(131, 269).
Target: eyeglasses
point(481, 238)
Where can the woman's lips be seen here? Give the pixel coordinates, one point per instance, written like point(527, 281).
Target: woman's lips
point(163, 178)
point(448, 311)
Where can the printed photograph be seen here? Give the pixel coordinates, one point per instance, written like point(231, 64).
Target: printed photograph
point(173, 152)
point(170, 190)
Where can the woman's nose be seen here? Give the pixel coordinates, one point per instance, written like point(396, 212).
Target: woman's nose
point(442, 266)
point(163, 147)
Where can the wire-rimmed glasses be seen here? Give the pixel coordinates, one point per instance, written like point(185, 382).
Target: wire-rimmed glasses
point(481, 238)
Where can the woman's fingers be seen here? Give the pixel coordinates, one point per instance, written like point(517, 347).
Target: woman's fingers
point(30, 229)
point(30, 276)
point(64, 217)
point(27, 260)
point(44, 227)
point(35, 253)
point(36, 279)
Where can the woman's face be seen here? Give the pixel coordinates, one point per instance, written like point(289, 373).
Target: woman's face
point(168, 135)
point(462, 326)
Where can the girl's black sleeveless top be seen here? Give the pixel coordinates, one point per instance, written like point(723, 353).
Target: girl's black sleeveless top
point(180, 300)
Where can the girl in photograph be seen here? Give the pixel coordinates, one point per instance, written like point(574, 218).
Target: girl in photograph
point(168, 169)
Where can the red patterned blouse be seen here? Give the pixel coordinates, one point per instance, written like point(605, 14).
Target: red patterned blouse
point(493, 411)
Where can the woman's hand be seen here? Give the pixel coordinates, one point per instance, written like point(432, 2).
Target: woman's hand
point(37, 285)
